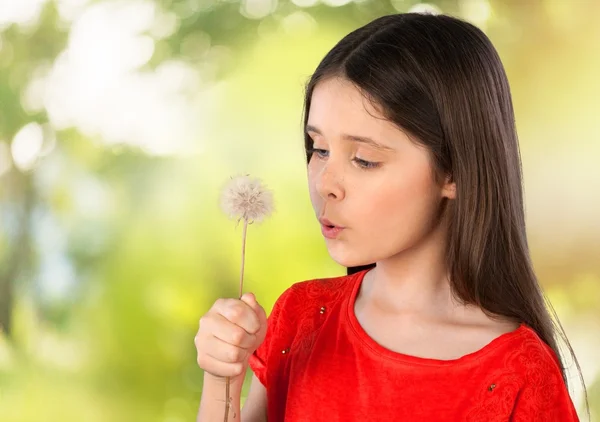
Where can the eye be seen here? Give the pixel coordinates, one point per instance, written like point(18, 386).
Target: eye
point(365, 164)
point(321, 153)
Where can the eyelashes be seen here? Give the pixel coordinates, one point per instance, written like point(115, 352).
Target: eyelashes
point(322, 154)
point(366, 164)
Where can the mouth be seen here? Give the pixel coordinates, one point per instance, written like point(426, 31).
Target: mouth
point(329, 229)
point(329, 223)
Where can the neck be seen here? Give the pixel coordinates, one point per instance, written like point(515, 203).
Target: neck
point(414, 282)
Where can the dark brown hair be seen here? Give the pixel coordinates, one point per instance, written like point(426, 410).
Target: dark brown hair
point(441, 80)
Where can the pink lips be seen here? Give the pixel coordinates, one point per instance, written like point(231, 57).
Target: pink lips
point(329, 229)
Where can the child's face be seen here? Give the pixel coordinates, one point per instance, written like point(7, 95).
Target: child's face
point(385, 208)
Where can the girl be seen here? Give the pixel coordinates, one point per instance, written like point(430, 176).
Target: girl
point(414, 176)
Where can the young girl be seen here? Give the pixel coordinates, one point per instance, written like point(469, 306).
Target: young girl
point(414, 175)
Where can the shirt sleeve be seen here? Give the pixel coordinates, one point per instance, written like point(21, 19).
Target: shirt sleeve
point(544, 397)
point(277, 325)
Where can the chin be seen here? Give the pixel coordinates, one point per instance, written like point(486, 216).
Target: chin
point(350, 258)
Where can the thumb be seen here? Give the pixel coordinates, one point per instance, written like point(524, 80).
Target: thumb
point(250, 300)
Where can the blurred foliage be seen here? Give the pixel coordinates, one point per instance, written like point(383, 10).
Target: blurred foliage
point(111, 251)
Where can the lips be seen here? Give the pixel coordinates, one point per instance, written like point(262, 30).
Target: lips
point(328, 223)
point(329, 229)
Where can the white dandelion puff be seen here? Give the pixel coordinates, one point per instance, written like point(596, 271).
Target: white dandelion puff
point(248, 199)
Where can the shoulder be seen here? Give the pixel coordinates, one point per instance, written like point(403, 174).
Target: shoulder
point(299, 307)
point(297, 314)
point(322, 291)
point(534, 359)
point(544, 395)
point(523, 377)
point(521, 359)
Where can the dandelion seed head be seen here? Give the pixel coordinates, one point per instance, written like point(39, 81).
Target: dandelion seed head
point(245, 197)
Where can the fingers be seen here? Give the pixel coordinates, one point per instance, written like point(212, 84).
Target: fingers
point(238, 312)
point(250, 300)
point(228, 353)
point(227, 331)
point(228, 334)
point(219, 368)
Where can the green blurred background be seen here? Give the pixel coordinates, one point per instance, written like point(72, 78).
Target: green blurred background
point(120, 121)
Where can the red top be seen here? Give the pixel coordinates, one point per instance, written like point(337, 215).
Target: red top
point(318, 364)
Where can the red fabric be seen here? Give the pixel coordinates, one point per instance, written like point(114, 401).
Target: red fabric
point(318, 364)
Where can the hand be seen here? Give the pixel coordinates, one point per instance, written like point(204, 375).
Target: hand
point(228, 334)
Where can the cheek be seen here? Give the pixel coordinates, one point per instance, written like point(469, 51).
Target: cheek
point(405, 207)
point(312, 184)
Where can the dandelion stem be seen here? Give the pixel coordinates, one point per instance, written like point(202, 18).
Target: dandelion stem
point(227, 401)
point(244, 231)
point(228, 379)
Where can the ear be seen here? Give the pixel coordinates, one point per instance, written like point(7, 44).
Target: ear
point(449, 188)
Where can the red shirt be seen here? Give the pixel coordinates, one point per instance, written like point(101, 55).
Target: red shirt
point(318, 364)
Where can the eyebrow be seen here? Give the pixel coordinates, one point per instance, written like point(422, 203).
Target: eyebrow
point(354, 138)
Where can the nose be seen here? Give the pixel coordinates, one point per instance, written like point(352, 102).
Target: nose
point(330, 182)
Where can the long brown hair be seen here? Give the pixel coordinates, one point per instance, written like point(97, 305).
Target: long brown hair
point(441, 80)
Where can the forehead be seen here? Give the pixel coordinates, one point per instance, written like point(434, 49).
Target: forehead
point(340, 96)
point(338, 106)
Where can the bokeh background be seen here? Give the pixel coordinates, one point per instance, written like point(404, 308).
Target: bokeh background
point(120, 121)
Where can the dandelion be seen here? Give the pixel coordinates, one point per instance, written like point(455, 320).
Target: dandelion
point(248, 199)
point(245, 198)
